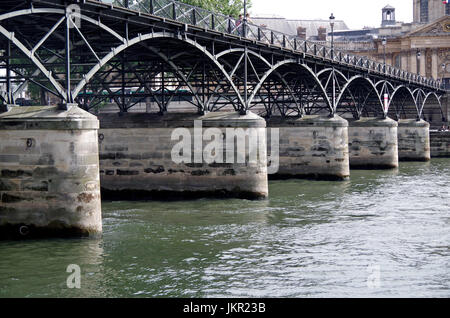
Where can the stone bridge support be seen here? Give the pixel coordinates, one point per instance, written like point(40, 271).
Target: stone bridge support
point(440, 144)
point(413, 140)
point(373, 143)
point(49, 173)
point(137, 156)
point(312, 147)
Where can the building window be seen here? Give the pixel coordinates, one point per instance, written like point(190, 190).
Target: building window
point(398, 61)
point(424, 11)
point(446, 82)
point(447, 9)
point(388, 15)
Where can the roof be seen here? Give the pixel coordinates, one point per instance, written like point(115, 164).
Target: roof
point(423, 29)
point(389, 7)
point(289, 26)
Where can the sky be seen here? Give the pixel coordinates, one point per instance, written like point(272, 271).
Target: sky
point(355, 13)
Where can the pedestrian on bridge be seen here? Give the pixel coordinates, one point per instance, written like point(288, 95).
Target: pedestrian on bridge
point(247, 16)
point(239, 25)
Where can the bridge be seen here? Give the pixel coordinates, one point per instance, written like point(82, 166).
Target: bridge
point(88, 52)
point(316, 111)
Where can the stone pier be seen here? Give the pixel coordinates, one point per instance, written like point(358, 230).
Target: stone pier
point(373, 143)
point(49, 173)
point(137, 162)
point(440, 144)
point(413, 140)
point(312, 147)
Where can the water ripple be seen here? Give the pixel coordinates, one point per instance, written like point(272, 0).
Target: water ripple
point(310, 239)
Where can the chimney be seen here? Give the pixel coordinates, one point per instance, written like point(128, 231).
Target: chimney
point(301, 33)
point(322, 34)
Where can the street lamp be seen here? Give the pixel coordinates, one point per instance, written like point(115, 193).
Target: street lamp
point(244, 29)
point(384, 41)
point(418, 61)
point(443, 73)
point(245, 19)
point(332, 34)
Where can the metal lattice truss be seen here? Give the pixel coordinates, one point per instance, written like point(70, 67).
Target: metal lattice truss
point(161, 52)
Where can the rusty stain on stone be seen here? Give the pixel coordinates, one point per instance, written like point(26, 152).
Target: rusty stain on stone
point(86, 197)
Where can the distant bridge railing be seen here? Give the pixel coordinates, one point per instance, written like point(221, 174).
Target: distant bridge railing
point(205, 19)
point(348, 46)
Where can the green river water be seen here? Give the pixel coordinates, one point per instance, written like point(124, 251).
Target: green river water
point(381, 234)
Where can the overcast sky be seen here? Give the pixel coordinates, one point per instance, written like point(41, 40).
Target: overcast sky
point(355, 13)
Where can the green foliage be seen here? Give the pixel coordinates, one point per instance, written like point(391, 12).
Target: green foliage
point(35, 91)
point(227, 7)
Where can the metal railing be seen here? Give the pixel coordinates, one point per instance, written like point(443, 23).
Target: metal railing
point(218, 22)
point(349, 46)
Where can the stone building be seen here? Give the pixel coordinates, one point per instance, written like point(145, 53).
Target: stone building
point(426, 11)
point(388, 16)
point(317, 30)
point(422, 46)
point(307, 29)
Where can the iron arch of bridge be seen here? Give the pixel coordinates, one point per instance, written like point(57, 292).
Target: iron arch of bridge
point(152, 36)
point(295, 64)
point(372, 90)
point(262, 77)
point(403, 103)
point(127, 43)
point(31, 53)
point(421, 97)
point(332, 70)
point(115, 51)
point(416, 100)
point(437, 106)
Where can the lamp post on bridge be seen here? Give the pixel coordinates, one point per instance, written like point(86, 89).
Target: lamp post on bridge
point(418, 54)
point(244, 29)
point(333, 97)
point(418, 61)
point(443, 73)
point(384, 42)
point(332, 34)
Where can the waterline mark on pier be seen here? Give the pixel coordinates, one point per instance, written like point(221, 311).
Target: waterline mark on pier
point(229, 145)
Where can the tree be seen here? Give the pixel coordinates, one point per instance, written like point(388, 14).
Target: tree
point(227, 7)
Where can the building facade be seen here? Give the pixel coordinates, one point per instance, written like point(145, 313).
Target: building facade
point(426, 11)
point(305, 29)
point(418, 47)
point(421, 46)
point(424, 50)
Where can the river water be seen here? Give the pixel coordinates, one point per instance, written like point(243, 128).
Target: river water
point(381, 234)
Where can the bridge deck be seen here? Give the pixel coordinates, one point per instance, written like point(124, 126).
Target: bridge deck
point(155, 49)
